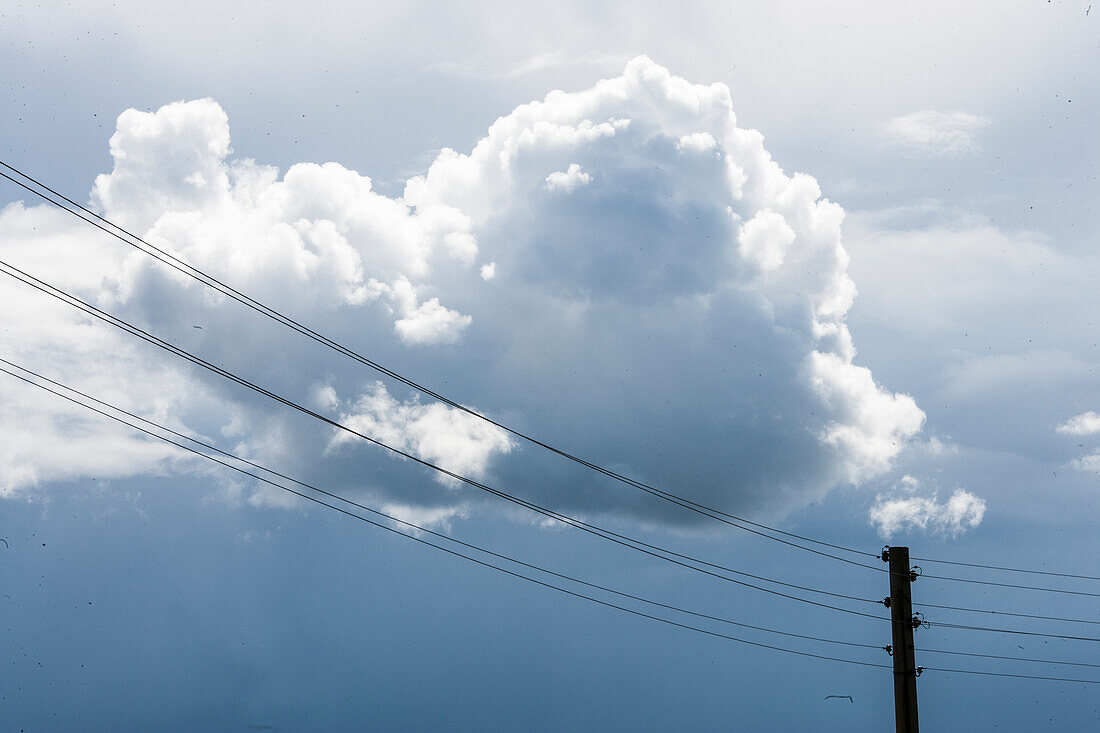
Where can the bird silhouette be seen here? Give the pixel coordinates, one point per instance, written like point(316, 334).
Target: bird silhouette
point(841, 697)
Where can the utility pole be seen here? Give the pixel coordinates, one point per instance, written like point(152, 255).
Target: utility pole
point(903, 622)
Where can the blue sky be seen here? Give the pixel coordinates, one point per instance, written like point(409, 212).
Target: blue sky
point(831, 269)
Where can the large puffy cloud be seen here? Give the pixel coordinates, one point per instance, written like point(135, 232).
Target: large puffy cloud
point(623, 271)
point(302, 239)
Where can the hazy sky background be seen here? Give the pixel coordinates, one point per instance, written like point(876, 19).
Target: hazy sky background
point(831, 267)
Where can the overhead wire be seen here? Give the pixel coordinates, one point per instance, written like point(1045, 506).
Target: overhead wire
point(912, 573)
point(182, 266)
point(1007, 613)
point(609, 535)
point(500, 556)
point(419, 528)
point(1007, 569)
point(208, 446)
point(1018, 632)
point(631, 543)
point(1043, 589)
point(195, 273)
point(922, 650)
point(1005, 674)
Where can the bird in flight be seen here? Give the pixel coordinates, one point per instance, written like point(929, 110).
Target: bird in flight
point(841, 697)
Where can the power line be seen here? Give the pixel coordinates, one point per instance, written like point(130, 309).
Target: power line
point(975, 581)
point(441, 536)
point(609, 535)
point(360, 506)
point(1017, 586)
point(176, 263)
point(180, 265)
point(1012, 585)
point(921, 574)
point(1009, 613)
point(1005, 674)
point(626, 541)
point(497, 555)
point(1007, 658)
point(1007, 569)
point(1019, 632)
point(668, 606)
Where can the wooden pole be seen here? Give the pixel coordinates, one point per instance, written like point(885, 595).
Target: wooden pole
point(905, 661)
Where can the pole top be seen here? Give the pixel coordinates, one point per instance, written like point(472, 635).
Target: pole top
point(887, 549)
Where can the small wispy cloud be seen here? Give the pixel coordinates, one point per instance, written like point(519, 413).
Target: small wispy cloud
point(1087, 423)
point(438, 517)
point(478, 68)
point(930, 132)
point(907, 510)
point(1090, 463)
point(558, 59)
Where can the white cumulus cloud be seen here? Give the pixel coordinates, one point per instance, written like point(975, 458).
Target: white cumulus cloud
point(445, 436)
point(1090, 463)
point(691, 259)
point(961, 512)
point(1087, 423)
point(567, 180)
point(427, 322)
point(764, 240)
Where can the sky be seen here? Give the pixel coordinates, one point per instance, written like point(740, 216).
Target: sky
point(827, 267)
